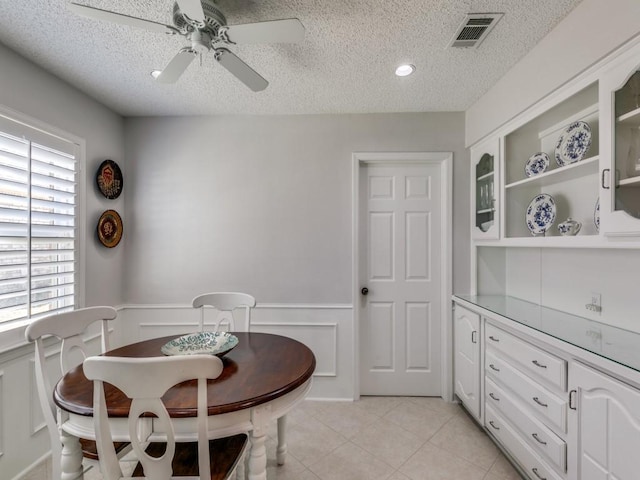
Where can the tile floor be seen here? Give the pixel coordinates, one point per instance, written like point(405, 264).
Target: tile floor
point(384, 438)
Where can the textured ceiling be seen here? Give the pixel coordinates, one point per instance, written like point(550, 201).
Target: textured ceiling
point(345, 64)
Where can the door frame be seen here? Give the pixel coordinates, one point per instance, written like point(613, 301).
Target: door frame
point(445, 161)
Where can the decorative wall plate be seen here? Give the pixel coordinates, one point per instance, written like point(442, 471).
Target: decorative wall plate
point(541, 213)
point(596, 215)
point(213, 343)
point(573, 144)
point(110, 228)
point(537, 163)
point(109, 179)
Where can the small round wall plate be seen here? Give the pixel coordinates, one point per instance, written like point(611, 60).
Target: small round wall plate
point(110, 228)
point(541, 213)
point(109, 179)
point(537, 163)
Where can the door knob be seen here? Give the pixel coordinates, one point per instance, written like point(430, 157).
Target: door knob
point(364, 290)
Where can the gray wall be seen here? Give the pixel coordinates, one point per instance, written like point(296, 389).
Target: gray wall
point(263, 203)
point(28, 89)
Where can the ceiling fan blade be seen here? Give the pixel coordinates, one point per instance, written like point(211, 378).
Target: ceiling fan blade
point(289, 30)
point(177, 66)
point(98, 14)
point(192, 9)
point(241, 70)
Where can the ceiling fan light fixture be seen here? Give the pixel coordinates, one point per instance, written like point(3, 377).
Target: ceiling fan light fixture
point(404, 70)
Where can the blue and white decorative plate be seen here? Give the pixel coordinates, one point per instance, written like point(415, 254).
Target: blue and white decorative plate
point(596, 215)
point(213, 343)
point(541, 213)
point(573, 144)
point(537, 163)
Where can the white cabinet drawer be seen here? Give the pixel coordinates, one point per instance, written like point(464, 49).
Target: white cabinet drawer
point(540, 364)
point(538, 436)
point(550, 408)
point(534, 466)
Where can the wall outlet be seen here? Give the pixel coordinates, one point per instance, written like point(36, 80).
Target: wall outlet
point(596, 303)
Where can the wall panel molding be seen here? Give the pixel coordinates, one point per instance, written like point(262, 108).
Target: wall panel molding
point(325, 328)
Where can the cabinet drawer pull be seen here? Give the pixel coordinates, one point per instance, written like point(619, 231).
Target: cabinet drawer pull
point(535, 399)
point(493, 425)
point(535, 470)
point(494, 397)
point(535, 435)
point(493, 367)
point(538, 364)
point(491, 337)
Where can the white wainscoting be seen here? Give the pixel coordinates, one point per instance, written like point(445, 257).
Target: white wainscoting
point(326, 329)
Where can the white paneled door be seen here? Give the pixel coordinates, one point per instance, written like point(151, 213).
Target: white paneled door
point(399, 259)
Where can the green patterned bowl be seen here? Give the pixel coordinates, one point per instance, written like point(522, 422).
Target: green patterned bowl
point(213, 343)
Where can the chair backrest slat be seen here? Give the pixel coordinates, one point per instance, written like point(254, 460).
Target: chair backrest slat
point(225, 303)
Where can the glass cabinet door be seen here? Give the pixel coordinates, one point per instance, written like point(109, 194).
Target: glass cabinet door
point(485, 185)
point(619, 208)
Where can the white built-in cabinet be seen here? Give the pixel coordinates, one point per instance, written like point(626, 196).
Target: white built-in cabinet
point(466, 347)
point(559, 412)
point(601, 190)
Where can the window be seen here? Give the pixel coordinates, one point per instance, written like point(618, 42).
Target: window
point(38, 222)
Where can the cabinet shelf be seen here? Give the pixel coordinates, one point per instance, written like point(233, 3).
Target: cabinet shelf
point(633, 182)
point(485, 176)
point(578, 241)
point(631, 119)
point(582, 168)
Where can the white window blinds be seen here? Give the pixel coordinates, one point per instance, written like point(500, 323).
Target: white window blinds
point(38, 244)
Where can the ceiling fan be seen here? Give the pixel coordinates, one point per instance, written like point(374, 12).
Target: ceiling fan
point(205, 26)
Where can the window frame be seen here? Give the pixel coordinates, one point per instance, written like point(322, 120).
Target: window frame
point(12, 332)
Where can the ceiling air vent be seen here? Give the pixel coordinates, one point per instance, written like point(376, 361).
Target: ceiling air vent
point(474, 29)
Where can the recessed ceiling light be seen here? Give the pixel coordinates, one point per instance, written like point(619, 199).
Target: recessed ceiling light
point(156, 73)
point(404, 70)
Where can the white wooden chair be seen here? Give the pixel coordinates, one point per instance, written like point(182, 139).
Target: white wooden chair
point(69, 327)
point(145, 381)
point(225, 303)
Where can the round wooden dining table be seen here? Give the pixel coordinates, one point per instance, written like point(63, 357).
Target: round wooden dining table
point(263, 378)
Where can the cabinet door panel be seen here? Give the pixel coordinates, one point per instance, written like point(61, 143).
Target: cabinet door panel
point(608, 419)
point(485, 194)
point(466, 333)
point(619, 192)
